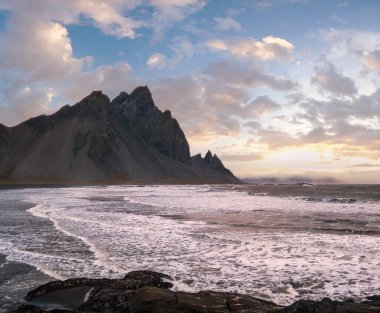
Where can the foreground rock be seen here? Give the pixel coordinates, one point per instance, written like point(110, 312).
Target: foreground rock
point(98, 141)
point(146, 291)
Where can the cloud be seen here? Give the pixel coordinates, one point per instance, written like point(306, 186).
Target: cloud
point(227, 23)
point(182, 48)
point(264, 4)
point(342, 4)
point(363, 165)
point(235, 74)
point(24, 103)
point(291, 180)
point(268, 48)
point(217, 99)
point(156, 60)
point(41, 50)
point(36, 51)
point(106, 15)
point(349, 126)
point(111, 79)
point(329, 80)
point(169, 12)
point(337, 19)
point(262, 105)
point(241, 157)
point(371, 61)
point(329, 111)
point(350, 41)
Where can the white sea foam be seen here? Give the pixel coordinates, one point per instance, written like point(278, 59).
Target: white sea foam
point(207, 238)
point(87, 295)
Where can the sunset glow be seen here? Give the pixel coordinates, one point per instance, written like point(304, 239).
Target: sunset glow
point(276, 88)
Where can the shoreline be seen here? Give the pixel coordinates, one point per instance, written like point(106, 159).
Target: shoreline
point(242, 185)
point(147, 291)
point(17, 278)
point(212, 284)
point(79, 295)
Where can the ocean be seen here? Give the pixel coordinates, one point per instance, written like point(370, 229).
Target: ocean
point(280, 242)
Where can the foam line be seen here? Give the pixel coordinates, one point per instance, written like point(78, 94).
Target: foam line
point(279, 248)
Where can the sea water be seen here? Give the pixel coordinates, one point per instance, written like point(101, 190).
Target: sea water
point(227, 238)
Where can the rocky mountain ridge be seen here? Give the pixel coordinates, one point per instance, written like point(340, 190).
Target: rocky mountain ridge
point(126, 140)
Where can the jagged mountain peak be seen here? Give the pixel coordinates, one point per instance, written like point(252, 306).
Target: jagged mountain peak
point(140, 99)
point(97, 140)
point(211, 161)
point(96, 97)
point(208, 155)
point(141, 91)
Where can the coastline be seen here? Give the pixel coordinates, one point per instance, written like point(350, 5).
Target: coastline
point(236, 215)
point(147, 291)
point(16, 280)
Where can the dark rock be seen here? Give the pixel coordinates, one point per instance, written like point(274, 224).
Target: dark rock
point(35, 309)
point(4, 141)
point(66, 284)
point(373, 300)
point(212, 164)
point(28, 308)
point(329, 306)
point(216, 164)
point(149, 278)
point(147, 291)
point(97, 141)
point(79, 141)
point(152, 299)
point(151, 125)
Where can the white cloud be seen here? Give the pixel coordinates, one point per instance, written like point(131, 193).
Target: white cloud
point(169, 12)
point(371, 61)
point(218, 99)
point(269, 48)
point(182, 48)
point(111, 79)
point(250, 76)
point(264, 4)
point(156, 60)
point(262, 105)
point(226, 24)
point(329, 80)
point(337, 19)
point(350, 41)
point(24, 103)
point(106, 15)
point(40, 49)
point(175, 3)
point(36, 50)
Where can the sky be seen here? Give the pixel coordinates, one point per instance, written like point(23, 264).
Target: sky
point(276, 88)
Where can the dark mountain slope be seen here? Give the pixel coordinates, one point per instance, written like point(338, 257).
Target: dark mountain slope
point(211, 166)
point(99, 141)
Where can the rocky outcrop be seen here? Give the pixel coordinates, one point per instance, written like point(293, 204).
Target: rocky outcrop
point(371, 305)
point(126, 140)
point(4, 140)
point(151, 125)
point(213, 166)
point(146, 291)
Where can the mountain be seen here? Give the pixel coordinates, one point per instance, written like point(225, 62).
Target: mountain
point(98, 141)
